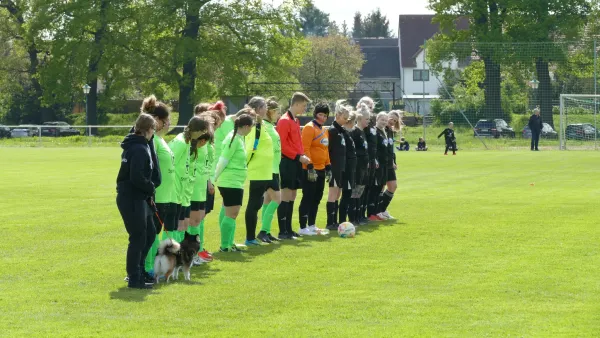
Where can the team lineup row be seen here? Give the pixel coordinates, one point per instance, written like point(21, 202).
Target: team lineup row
point(172, 185)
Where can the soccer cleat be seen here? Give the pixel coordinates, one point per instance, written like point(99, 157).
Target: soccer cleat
point(143, 286)
point(374, 218)
point(387, 215)
point(331, 227)
point(263, 237)
point(273, 238)
point(295, 234)
point(235, 248)
point(224, 250)
point(363, 221)
point(252, 243)
point(285, 235)
point(317, 230)
point(445, 154)
point(382, 216)
point(205, 256)
point(307, 232)
point(197, 261)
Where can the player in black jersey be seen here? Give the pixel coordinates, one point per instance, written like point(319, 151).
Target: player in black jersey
point(357, 215)
point(346, 210)
point(450, 138)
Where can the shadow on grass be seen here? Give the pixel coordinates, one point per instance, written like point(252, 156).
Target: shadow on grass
point(130, 295)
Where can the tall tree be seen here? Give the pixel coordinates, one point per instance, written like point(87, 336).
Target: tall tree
point(483, 39)
point(314, 22)
point(376, 25)
point(345, 32)
point(357, 27)
point(331, 59)
point(542, 24)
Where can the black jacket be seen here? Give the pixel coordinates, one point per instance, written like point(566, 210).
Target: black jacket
point(371, 135)
point(448, 135)
point(350, 152)
point(135, 175)
point(156, 175)
point(421, 145)
point(535, 123)
point(337, 147)
point(360, 143)
point(382, 148)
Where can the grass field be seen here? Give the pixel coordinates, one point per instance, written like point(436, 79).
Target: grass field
point(477, 251)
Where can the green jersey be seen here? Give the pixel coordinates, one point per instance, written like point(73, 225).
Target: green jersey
point(235, 173)
point(270, 129)
point(200, 164)
point(260, 160)
point(165, 193)
point(220, 135)
point(181, 152)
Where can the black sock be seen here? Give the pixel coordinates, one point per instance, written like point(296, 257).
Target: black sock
point(336, 209)
point(330, 213)
point(290, 212)
point(386, 199)
point(373, 201)
point(281, 217)
point(304, 210)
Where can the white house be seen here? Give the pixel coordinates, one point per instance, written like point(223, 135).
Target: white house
point(418, 84)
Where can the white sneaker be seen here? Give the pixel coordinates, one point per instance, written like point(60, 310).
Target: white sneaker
point(382, 216)
point(316, 230)
point(387, 215)
point(197, 261)
point(307, 232)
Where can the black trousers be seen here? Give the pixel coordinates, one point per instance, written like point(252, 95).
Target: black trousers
point(450, 146)
point(312, 193)
point(138, 221)
point(535, 139)
point(255, 202)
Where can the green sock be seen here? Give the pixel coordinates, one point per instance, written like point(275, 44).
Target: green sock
point(264, 210)
point(201, 235)
point(227, 229)
point(232, 238)
point(221, 214)
point(149, 265)
point(267, 218)
point(192, 230)
point(178, 235)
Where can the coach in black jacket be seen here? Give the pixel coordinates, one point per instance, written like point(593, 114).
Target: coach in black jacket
point(535, 124)
point(134, 187)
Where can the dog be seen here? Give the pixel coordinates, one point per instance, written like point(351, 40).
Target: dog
point(185, 258)
point(165, 263)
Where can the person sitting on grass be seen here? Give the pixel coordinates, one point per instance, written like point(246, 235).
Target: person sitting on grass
point(421, 146)
point(404, 146)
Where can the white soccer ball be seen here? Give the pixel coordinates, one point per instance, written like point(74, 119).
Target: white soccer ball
point(346, 230)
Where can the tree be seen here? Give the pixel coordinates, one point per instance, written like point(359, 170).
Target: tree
point(357, 28)
point(331, 59)
point(541, 23)
point(313, 21)
point(483, 38)
point(345, 32)
point(376, 25)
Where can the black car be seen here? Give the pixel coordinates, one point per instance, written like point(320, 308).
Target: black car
point(493, 128)
point(4, 131)
point(56, 129)
point(581, 131)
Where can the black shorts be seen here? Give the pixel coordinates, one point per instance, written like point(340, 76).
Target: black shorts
point(348, 179)
point(231, 196)
point(275, 185)
point(197, 206)
point(362, 171)
point(210, 202)
point(168, 213)
point(184, 213)
point(391, 174)
point(380, 177)
point(290, 173)
point(337, 179)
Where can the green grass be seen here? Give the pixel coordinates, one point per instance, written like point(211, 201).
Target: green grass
point(477, 251)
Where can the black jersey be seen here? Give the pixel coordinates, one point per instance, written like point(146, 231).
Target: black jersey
point(371, 136)
point(448, 135)
point(337, 147)
point(360, 142)
point(390, 148)
point(382, 148)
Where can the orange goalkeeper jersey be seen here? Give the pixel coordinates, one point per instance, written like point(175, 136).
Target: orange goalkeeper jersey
point(315, 140)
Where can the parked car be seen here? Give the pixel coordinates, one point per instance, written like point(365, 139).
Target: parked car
point(56, 129)
point(4, 131)
point(24, 131)
point(547, 132)
point(581, 131)
point(493, 128)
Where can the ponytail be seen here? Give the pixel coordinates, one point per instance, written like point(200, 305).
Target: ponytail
point(243, 120)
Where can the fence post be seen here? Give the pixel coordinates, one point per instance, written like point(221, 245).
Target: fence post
point(595, 100)
point(39, 136)
point(89, 136)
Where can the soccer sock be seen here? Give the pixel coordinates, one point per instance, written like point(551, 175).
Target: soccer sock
point(336, 210)
point(380, 204)
point(330, 213)
point(221, 214)
point(264, 209)
point(232, 226)
point(281, 217)
point(386, 199)
point(227, 232)
point(201, 235)
point(373, 201)
point(267, 218)
point(192, 230)
point(290, 213)
point(149, 263)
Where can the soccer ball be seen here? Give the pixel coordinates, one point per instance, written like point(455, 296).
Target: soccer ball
point(346, 229)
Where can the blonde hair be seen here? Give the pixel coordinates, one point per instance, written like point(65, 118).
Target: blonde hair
point(397, 114)
point(363, 113)
point(352, 117)
point(342, 108)
point(366, 101)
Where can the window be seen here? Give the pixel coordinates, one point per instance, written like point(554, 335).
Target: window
point(420, 75)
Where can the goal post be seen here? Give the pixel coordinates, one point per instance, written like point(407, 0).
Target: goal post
point(578, 127)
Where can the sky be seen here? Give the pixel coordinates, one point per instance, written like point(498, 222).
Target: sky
point(340, 10)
